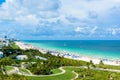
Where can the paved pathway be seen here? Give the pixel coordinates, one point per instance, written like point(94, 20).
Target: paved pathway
point(102, 69)
point(11, 71)
point(75, 76)
point(61, 68)
point(16, 70)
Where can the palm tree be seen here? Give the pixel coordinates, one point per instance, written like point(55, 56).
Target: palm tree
point(101, 62)
point(88, 65)
point(92, 64)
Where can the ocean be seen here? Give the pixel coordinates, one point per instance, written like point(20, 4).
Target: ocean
point(109, 49)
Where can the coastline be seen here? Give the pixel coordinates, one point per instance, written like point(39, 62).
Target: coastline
point(25, 46)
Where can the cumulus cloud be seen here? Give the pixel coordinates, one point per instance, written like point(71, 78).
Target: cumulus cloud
point(114, 31)
point(29, 11)
point(27, 20)
point(84, 9)
point(80, 29)
point(57, 18)
point(93, 30)
point(86, 29)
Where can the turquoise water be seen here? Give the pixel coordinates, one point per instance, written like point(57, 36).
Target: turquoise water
point(94, 48)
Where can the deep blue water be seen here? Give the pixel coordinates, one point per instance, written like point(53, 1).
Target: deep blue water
point(95, 48)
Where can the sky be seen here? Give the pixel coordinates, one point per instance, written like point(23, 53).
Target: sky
point(60, 19)
point(1, 1)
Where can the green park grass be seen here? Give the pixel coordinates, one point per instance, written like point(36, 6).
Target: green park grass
point(14, 46)
point(23, 71)
point(108, 66)
point(68, 75)
point(9, 68)
point(55, 71)
point(97, 75)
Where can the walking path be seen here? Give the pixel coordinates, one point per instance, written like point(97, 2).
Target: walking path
point(102, 69)
point(61, 68)
point(75, 76)
point(11, 71)
point(16, 70)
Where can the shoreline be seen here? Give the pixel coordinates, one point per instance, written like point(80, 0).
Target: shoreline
point(25, 46)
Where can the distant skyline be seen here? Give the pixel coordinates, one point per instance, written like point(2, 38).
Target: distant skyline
point(60, 19)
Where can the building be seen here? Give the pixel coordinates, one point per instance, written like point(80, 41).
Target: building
point(1, 54)
point(21, 57)
point(5, 42)
point(1, 44)
point(41, 58)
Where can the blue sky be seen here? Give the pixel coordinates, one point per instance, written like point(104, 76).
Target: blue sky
point(1, 1)
point(60, 19)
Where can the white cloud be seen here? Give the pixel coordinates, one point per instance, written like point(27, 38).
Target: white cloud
point(81, 8)
point(41, 5)
point(59, 9)
point(93, 30)
point(62, 15)
point(115, 31)
point(27, 20)
point(80, 29)
point(29, 11)
point(86, 30)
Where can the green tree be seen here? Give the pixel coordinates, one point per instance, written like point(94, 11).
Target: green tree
point(92, 64)
point(101, 62)
point(6, 61)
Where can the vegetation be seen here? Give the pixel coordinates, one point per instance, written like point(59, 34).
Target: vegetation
point(108, 66)
point(6, 61)
point(9, 68)
point(55, 71)
point(11, 51)
point(50, 66)
point(45, 67)
point(101, 62)
point(12, 77)
point(85, 74)
point(14, 46)
point(68, 75)
point(24, 71)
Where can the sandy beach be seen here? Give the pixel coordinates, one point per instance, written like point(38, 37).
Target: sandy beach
point(25, 46)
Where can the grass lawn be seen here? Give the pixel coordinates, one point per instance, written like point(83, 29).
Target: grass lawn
point(87, 75)
point(14, 46)
point(56, 71)
point(108, 66)
point(68, 75)
point(9, 68)
point(23, 71)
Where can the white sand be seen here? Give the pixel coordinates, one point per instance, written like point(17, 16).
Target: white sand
point(24, 46)
point(71, 56)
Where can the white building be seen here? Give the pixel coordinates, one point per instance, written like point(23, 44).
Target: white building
point(1, 54)
point(21, 57)
point(41, 58)
point(5, 42)
point(1, 44)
